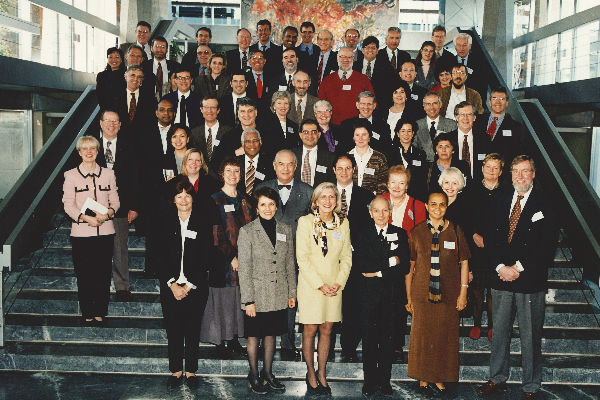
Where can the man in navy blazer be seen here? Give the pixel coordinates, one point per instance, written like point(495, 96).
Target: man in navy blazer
point(160, 46)
point(521, 237)
point(271, 51)
point(192, 100)
point(326, 56)
point(319, 167)
point(134, 119)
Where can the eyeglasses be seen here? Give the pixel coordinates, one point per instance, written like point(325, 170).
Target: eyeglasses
point(346, 57)
point(203, 52)
point(499, 98)
point(184, 78)
point(307, 132)
point(160, 46)
point(210, 108)
point(465, 115)
point(142, 31)
point(324, 112)
point(523, 172)
point(352, 35)
point(257, 58)
point(459, 73)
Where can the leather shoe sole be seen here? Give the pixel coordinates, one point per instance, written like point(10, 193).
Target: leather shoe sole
point(490, 387)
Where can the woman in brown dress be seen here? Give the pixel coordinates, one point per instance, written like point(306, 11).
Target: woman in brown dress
point(436, 290)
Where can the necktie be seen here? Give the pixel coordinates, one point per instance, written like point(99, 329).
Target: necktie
point(108, 155)
point(299, 111)
point(462, 61)
point(209, 144)
point(201, 72)
point(306, 168)
point(394, 60)
point(159, 80)
point(288, 187)
point(263, 48)
point(491, 130)
point(250, 177)
point(369, 72)
point(432, 131)
point(182, 114)
point(381, 238)
point(132, 107)
point(259, 86)
point(244, 60)
point(329, 140)
point(320, 70)
point(344, 76)
point(289, 83)
point(466, 153)
point(344, 209)
point(514, 218)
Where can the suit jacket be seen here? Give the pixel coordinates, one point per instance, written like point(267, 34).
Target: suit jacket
point(226, 113)
point(145, 109)
point(309, 111)
point(417, 93)
point(509, 140)
point(205, 86)
point(281, 80)
point(422, 138)
point(191, 57)
point(447, 59)
point(234, 61)
point(267, 273)
point(533, 242)
point(415, 161)
point(298, 203)
point(336, 135)
point(264, 102)
point(382, 75)
point(411, 111)
point(273, 55)
point(472, 96)
point(273, 137)
point(375, 182)
point(150, 77)
point(380, 140)
point(358, 213)
point(311, 62)
point(324, 167)
point(401, 57)
point(192, 107)
point(199, 141)
point(428, 81)
point(108, 86)
point(374, 255)
point(263, 171)
point(330, 66)
point(481, 147)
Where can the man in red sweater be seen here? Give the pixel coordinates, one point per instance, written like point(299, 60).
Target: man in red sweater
point(341, 88)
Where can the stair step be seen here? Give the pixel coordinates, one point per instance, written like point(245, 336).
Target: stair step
point(52, 257)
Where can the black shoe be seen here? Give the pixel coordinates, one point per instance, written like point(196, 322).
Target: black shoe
point(99, 323)
point(322, 388)
point(192, 381)
point(386, 389)
point(87, 323)
point(349, 356)
point(398, 357)
point(123, 295)
point(271, 382)
point(174, 381)
point(236, 348)
point(312, 391)
point(436, 390)
point(424, 390)
point(368, 389)
point(255, 383)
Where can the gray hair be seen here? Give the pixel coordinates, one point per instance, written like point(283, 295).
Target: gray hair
point(344, 47)
point(364, 94)
point(325, 31)
point(453, 173)
point(317, 193)
point(87, 139)
point(280, 94)
point(320, 103)
point(436, 94)
point(132, 67)
point(464, 35)
point(299, 70)
point(285, 151)
point(250, 130)
point(394, 29)
point(135, 46)
point(523, 157)
point(379, 197)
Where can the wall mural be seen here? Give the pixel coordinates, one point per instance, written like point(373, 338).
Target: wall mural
point(370, 17)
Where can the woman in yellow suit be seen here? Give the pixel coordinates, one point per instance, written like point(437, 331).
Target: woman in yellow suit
point(324, 259)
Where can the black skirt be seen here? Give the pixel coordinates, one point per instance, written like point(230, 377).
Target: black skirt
point(272, 323)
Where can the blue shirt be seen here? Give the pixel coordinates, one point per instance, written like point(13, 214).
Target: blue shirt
point(308, 49)
point(498, 122)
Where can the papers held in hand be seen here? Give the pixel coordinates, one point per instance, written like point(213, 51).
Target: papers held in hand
point(92, 205)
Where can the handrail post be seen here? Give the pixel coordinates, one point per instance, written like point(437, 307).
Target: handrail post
point(1, 306)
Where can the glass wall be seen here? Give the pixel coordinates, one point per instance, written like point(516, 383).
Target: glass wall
point(207, 13)
point(418, 16)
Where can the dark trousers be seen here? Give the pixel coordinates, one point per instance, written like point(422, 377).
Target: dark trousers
point(182, 320)
point(378, 314)
point(351, 325)
point(92, 260)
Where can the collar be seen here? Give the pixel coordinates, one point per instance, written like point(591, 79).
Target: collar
point(267, 46)
point(429, 120)
point(96, 172)
point(390, 53)
point(186, 95)
point(525, 196)
point(348, 188)
point(291, 183)
point(235, 96)
point(470, 133)
point(163, 128)
point(385, 228)
point(254, 160)
point(137, 92)
point(214, 127)
point(305, 149)
point(242, 52)
point(156, 62)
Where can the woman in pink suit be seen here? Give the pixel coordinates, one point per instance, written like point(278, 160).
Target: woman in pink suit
point(92, 232)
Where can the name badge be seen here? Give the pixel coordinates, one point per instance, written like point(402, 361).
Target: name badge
point(190, 234)
point(470, 71)
point(414, 97)
point(481, 156)
point(392, 237)
point(416, 163)
point(347, 87)
point(280, 237)
point(411, 215)
point(110, 165)
point(321, 168)
point(376, 135)
point(259, 175)
point(369, 171)
point(336, 142)
point(537, 216)
point(290, 129)
point(337, 235)
point(217, 87)
point(168, 174)
point(282, 88)
point(449, 245)
point(506, 132)
point(216, 142)
point(230, 207)
point(392, 260)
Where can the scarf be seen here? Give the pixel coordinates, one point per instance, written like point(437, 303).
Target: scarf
point(320, 227)
point(435, 289)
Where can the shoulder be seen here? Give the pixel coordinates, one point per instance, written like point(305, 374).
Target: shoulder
point(71, 174)
point(270, 183)
point(378, 155)
point(305, 219)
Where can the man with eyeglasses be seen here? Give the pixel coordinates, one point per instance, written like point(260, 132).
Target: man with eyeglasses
point(203, 36)
point(408, 73)
point(316, 163)
point(457, 92)
point(142, 34)
point(351, 38)
point(208, 135)
point(473, 62)
point(377, 69)
point(270, 50)
point(302, 106)
point(135, 103)
point(258, 165)
point(186, 102)
point(432, 124)
point(239, 59)
point(157, 69)
point(438, 37)
point(203, 53)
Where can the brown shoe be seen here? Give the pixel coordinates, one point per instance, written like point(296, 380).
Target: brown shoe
point(530, 396)
point(490, 387)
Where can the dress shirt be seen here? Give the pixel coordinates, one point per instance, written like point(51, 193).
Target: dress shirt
point(182, 280)
point(163, 130)
point(461, 138)
point(283, 127)
point(247, 164)
point(348, 73)
point(146, 48)
point(512, 204)
point(289, 76)
point(177, 116)
point(266, 46)
point(312, 161)
point(391, 53)
point(398, 213)
point(382, 231)
point(235, 98)
point(137, 97)
point(262, 76)
point(348, 192)
point(365, 64)
point(302, 103)
point(455, 98)
point(284, 194)
point(113, 149)
point(498, 122)
point(436, 125)
point(165, 71)
point(308, 49)
point(242, 56)
point(213, 134)
point(361, 162)
point(459, 59)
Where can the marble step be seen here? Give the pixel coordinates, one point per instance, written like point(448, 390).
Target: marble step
point(61, 238)
point(61, 257)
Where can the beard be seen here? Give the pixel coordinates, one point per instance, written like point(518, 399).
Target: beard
point(523, 188)
point(458, 86)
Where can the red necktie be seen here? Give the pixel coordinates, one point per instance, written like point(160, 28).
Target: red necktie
point(259, 86)
point(320, 70)
point(159, 80)
point(492, 128)
point(132, 107)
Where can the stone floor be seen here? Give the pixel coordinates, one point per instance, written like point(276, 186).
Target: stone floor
point(73, 386)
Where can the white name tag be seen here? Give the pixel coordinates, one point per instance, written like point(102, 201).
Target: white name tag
point(282, 88)
point(229, 208)
point(259, 175)
point(506, 132)
point(537, 216)
point(470, 70)
point(369, 171)
point(347, 87)
point(414, 97)
point(190, 234)
point(337, 235)
point(391, 237)
point(321, 168)
point(280, 237)
point(216, 142)
point(290, 129)
point(481, 157)
point(110, 165)
point(168, 174)
point(449, 245)
point(376, 135)
point(392, 260)
point(416, 163)
point(217, 87)
point(336, 142)
point(411, 215)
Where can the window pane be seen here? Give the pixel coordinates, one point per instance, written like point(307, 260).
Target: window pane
point(587, 51)
point(522, 17)
point(585, 4)
point(545, 61)
point(64, 41)
point(566, 56)
point(567, 8)
point(553, 11)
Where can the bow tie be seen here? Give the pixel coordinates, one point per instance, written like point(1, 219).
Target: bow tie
point(288, 187)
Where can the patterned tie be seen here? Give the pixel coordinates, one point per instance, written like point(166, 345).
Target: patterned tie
point(244, 60)
point(462, 61)
point(299, 111)
point(108, 155)
point(209, 144)
point(466, 154)
point(182, 114)
point(305, 176)
point(259, 86)
point(491, 130)
point(250, 177)
point(514, 217)
point(344, 76)
point(320, 70)
point(344, 209)
point(432, 131)
point(202, 69)
point(159, 80)
point(132, 107)
point(369, 72)
point(394, 60)
point(289, 83)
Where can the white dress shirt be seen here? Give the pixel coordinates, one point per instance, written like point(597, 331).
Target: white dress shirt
point(455, 98)
point(361, 162)
point(461, 138)
point(113, 149)
point(284, 194)
point(163, 130)
point(312, 161)
point(213, 131)
point(247, 164)
point(235, 98)
point(182, 280)
point(348, 73)
point(366, 63)
point(177, 116)
point(390, 54)
point(146, 48)
point(436, 125)
point(392, 120)
point(512, 204)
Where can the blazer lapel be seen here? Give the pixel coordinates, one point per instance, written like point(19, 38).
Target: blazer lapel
point(261, 232)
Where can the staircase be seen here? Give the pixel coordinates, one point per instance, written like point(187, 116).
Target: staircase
point(43, 330)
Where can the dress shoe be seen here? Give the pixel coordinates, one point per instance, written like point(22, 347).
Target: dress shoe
point(475, 333)
point(271, 382)
point(174, 381)
point(490, 333)
point(123, 295)
point(322, 388)
point(312, 391)
point(192, 381)
point(490, 387)
point(99, 323)
point(256, 385)
point(236, 348)
point(530, 396)
point(437, 392)
point(424, 390)
point(386, 389)
point(349, 356)
point(89, 323)
point(398, 357)
point(369, 389)
point(223, 352)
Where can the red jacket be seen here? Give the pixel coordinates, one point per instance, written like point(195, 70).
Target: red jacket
point(413, 215)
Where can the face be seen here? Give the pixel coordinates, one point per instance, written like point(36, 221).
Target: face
point(110, 125)
point(370, 51)
point(203, 53)
point(194, 163)
point(432, 106)
point(345, 59)
point(310, 135)
point(307, 34)
point(444, 150)
point(134, 57)
point(327, 201)
point(203, 37)
point(323, 114)
point(210, 110)
point(88, 152)
point(142, 33)
point(266, 207)
point(243, 39)
point(183, 201)
point(114, 60)
point(257, 62)
point(343, 171)
point(427, 53)
point(498, 102)
point(324, 41)
point(239, 84)
point(450, 187)
point(399, 96)
point(491, 170)
point(180, 139)
point(231, 175)
point(282, 107)
point(264, 32)
point(445, 77)
point(522, 176)
point(361, 137)
point(216, 65)
point(397, 185)
point(285, 167)
point(301, 83)
point(247, 115)
point(408, 73)
point(289, 39)
point(380, 212)
point(173, 81)
point(462, 46)
point(465, 118)
point(165, 113)
point(436, 206)
point(406, 134)
point(366, 106)
point(252, 144)
point(392, 40)
point(351, 38)
point(439, 38)
point(184, 81)
point(159, 49)
point(459, 76)
point(290, 61)
point(134, 79)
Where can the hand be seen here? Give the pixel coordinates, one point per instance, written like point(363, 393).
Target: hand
point(179, 292)
point(409, 307)
point(235, 264)
point(508, 273)
point(335, 288)
point(91, 221)
point(478, 239)
point(325, 289)
point(292, 302)
point(470, 276)
point(101, 217)
point(131, 216)
point(251, 310)
point(370, 274)
point(239, 151)
point(461, 302)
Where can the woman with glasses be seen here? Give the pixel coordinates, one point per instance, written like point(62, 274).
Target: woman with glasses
point(426, 66)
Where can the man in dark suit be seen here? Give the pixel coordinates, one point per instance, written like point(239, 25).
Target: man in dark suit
point(116, 153)
point(307, 48)
point(208, 135)
point(239, 59)
point(432, 125)
point(302, 106)
point(295, 201)
point(383, 261)
point(408, 73)
point(257, 166)
point(142, 34)
point(351, 38)
point(442, 56)
point(203, 37)
point(378, 70)
point(390, 54)
point(521, 239)
point(239, 84)
point(200, 67)
point(136, 103)
point(479, 77)
point(186, 102)
point(316, 163)
point(270, 50)
point(326, 59)
point(159, 67)
point(354, 201)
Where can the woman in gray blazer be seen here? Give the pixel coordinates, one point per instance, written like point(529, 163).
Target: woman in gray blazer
point(267, 278)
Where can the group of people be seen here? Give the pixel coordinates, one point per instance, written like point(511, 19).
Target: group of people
point(351, 187)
